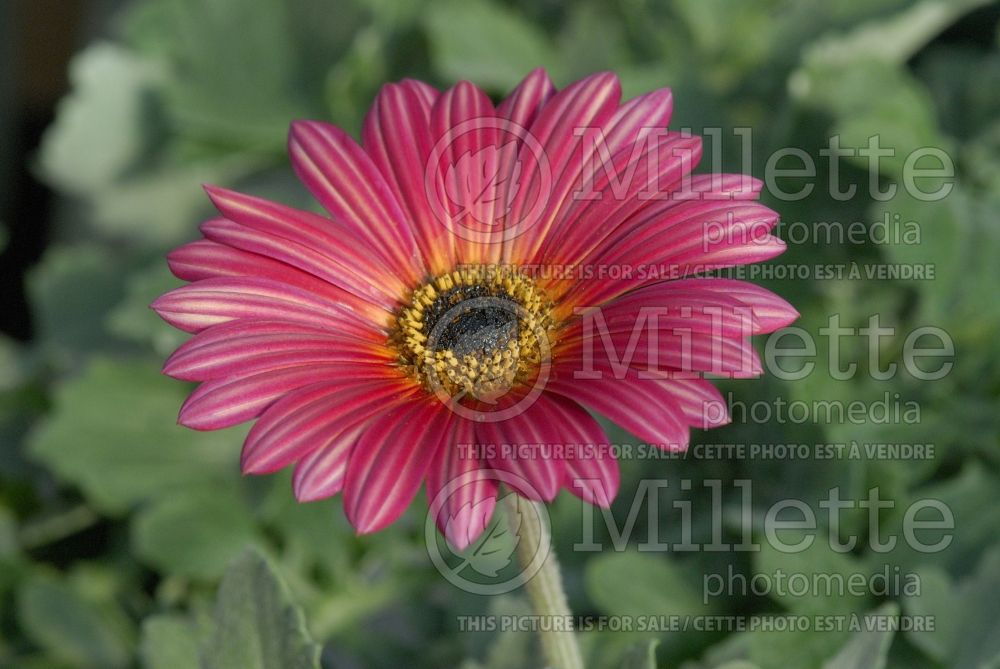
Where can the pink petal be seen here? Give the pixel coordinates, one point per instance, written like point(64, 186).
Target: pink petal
point(643, 407)
point(235, 352)
point(659, 353)
point(465, 169)
point(770, 311)
point(208, 302)
point(320, 473)
point(693, 239)
point(699, 400)
point(586, 103)
point(626, 186)
point(596, 227)
point(224, 402)
point(694, 402)
point(346, 182)
point(205, 259)
point(396, 134)
point(590, 470)
point(697, 224)
point(389, 462)
point(315, 417)
point(632, 138)
point(303, 240)
point(523, 445)
point(519, 109)
point(669, 305)
point(461, 490)
point(523, 103)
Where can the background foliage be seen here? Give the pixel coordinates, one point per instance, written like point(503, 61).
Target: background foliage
point(117, 526)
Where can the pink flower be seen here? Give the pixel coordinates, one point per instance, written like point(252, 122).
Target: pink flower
point(484, 275)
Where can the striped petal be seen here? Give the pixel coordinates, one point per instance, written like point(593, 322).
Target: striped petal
point(320, 474)
point(389, 462)
point(643, 407)
point(205, 259)
point(522, 446)
point(225, 402)
point(669, 305)
point(596, 227)
point(396, 134)
point(516, 112)
point(461, 489)
point(339, 174)
point(523, 103)
point(770, 312)
point(590, 471)
point(315, 418)
point(468, 169)
point(225, 351)
point(635, 156)
point(205, 303)
point(658, 353)
point(303, 240)
point(590, 102)
point(691, 240)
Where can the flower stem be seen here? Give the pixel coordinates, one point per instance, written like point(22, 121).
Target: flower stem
point(545, 590)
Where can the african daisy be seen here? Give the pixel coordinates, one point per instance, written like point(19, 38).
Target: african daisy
point(473, 288)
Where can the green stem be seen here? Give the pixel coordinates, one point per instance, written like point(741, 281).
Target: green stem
point(545, 589)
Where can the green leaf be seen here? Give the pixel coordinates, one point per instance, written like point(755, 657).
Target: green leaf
point(860, 79)
point(938, 598)
point(484, 42)
point(741, 34)
point(816, 567)
point(640, 584)
point(509, 649)
point(196, 533)
point(966, 615)
point(868, 648)
point(70, 291)
point(163, 203)
point(894, 39)
point(133, 319)
point(108, 109)
point(731, 652)
point(256, 627)
point(791, 647)
point(976, 524)
point(72, 628)
point(642, 656)
point(962, 81)
point(114, 433)
point(960, 239)
point(870, 98)
point(232, 70)
point(169, 642)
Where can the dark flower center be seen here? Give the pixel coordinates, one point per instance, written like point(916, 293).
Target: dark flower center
point(475, 331)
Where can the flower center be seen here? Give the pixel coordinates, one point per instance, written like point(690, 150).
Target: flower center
point(475, 331)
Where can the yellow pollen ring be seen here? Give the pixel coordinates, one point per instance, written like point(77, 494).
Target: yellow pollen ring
point(476, 330)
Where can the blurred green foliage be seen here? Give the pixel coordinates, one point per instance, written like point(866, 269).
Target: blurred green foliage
point(117, 526)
